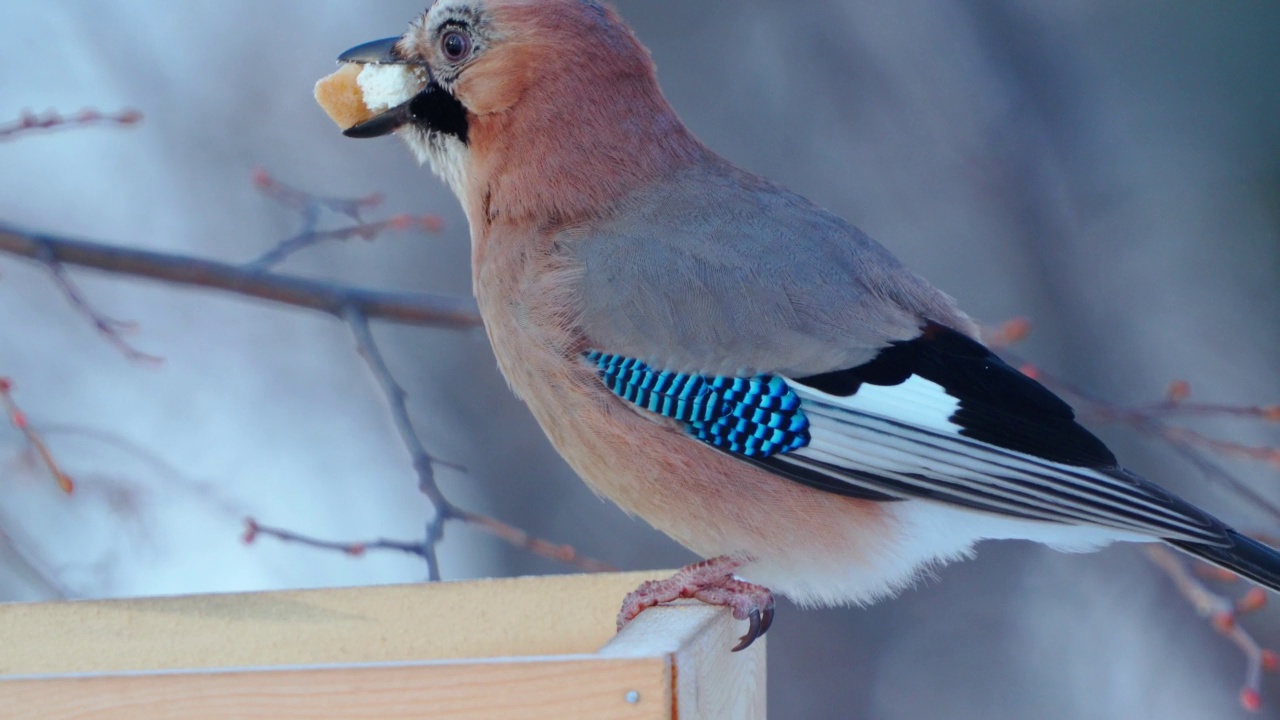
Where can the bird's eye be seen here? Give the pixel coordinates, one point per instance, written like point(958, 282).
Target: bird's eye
point(456, 45)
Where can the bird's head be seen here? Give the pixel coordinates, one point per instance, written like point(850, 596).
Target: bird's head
point(545, 107)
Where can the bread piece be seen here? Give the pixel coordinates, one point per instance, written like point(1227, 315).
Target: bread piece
point(340, 97)
point(356, 92)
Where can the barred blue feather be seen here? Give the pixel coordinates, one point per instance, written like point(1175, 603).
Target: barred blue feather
point(756, 417)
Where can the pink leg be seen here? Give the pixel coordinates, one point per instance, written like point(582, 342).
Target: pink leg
point(712, 582)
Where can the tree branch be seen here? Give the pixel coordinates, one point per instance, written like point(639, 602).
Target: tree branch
point(422, 461)
point(407, 308)
point(354, 306)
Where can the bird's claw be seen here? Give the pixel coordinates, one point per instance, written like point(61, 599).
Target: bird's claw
point(767, 621)
point(753, 632)
point(713, 583)
point(759, 620)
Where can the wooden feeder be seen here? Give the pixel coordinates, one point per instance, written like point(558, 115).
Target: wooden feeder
point(539, 648)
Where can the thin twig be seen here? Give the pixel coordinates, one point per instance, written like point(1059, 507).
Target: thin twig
point(1009, 332)
point(1186, 436)
point(1206, 602)
point(111, 329)
point(310, 207)
point(519, 538)
point(407, 308)
point(30, 122)
point(421, 459)
point(254, 529)
point(309, 237)
point(1267, 413)
point(1216, 473)
point(425, 548)
point(18, 419)
point(1223, 614)
point(32, 568)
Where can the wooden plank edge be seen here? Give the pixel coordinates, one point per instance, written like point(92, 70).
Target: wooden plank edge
point(710, 682)
point(547, 688)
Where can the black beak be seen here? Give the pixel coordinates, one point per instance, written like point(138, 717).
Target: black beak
point(384, 123)
point(378, 52)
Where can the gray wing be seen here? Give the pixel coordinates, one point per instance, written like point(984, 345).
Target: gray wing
point(780, 334)
point(719, 271)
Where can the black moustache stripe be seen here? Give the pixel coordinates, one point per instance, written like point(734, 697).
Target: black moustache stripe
point(435, 110)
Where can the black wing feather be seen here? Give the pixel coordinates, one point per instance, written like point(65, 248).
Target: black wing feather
point(998, 404)
point(1016, 449)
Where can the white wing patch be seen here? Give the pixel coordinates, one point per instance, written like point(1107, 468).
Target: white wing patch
point(916, 401)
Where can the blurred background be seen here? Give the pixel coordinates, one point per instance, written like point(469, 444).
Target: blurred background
point(1110, 171)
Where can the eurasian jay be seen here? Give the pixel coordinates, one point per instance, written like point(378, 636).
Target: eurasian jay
point(750, 374)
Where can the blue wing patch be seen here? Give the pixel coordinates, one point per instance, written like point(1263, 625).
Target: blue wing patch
point(756, 417)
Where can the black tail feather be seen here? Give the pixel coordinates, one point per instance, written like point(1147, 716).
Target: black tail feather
point(1244, 556)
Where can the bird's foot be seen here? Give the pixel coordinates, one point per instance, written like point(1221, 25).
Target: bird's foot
point(712, 582)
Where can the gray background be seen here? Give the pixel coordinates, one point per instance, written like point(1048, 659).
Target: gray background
point(1109, 170)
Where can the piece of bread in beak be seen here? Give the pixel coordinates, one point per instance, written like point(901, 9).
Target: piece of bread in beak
point(340, 97)
point(357, 92)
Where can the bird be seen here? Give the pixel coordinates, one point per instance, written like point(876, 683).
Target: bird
point(747, 372)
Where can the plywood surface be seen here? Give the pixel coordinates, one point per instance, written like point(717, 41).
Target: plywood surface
point(634, 689)
point(551, 615)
